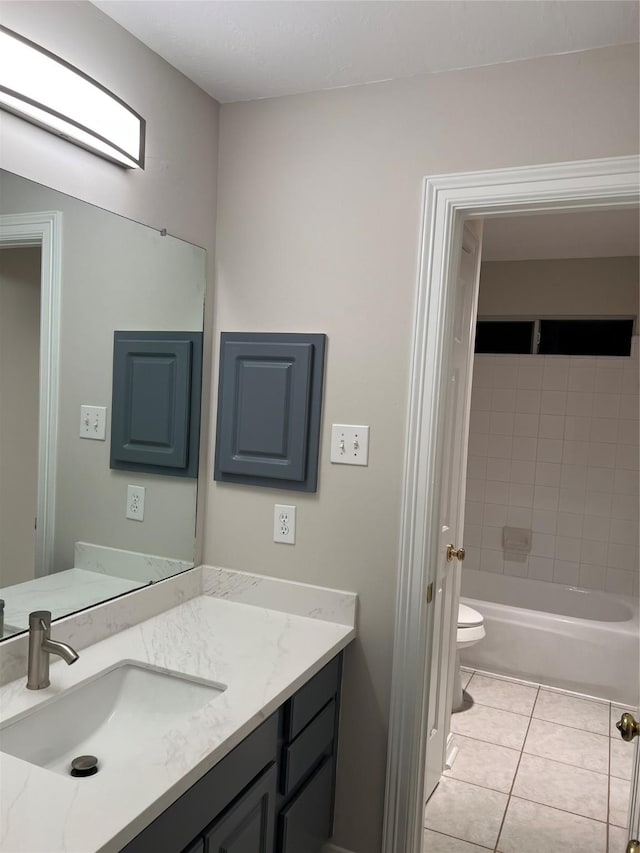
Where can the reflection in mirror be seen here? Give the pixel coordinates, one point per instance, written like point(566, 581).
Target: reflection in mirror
point(65, 540)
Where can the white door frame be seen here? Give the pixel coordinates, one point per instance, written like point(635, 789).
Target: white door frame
point(44, 230)
point(448, 201)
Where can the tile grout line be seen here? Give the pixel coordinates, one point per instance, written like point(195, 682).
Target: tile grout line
point(513, 782)
point(609, 781)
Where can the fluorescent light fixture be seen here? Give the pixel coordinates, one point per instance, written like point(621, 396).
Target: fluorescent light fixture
point(45, 90)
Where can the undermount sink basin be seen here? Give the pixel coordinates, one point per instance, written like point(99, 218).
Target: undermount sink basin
point(116, 715)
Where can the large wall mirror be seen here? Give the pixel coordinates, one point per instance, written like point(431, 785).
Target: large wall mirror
point(65, 540)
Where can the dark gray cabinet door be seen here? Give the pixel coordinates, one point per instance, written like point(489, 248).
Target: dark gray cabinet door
point(248, 826)
point(305, 824)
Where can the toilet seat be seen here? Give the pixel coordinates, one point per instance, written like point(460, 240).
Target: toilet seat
point(468, 617)
point(470, 626)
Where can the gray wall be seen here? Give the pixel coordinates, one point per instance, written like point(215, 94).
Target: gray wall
point(318, 221)
point(19, 371)
point(572, 286)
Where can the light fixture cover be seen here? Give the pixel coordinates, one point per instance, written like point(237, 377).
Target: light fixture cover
point(42, 88)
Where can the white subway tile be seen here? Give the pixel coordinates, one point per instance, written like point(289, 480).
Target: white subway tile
point(546, 497)
point(609, 379)
point(547, 473)
point(551, 426)
point(625, 506)
point(491, 538)
point(569, 524)
point(472, 536)
point(498, 469)
point(523, 471)
point(516, 567)
point(556, 374)
point(601, 454)
point(549, 450)
point(524, 447)
point(594, 552)
point(627, 431)
point(566, 572)
point(544, 521)
point(592, 577)
point(554, 403)
point(483, 366)
point(572, 500)
point(479, 423)
point(597, 503)
point(606, 405)
point(497, 492)
point(503, 400)
point(473, 512)
point(580, 403)
point(600, 479)
point(619, 581)
point(583, 361)
point(575, 452)
point(478, 444)
point(604, 429)
point(501, 423)
point(519, 516)
point(475, 490)
point(582, 378)
point(499, 447)
point(527, 401)
point(541, 568)
point(618, 557)
point(530, 375)
point(526, 424)
point(520, 494)
point(495, 515)
point(471, 558)
point(627, 456)
point(624, 532)
point(577, 428)
point(543, 545)
point(630, 381)
point(596, 527)
point(491, 561)
point(573, 476)
point(477, 467)
point(481, 399)
point(625, 482)
point(505, 372)
point(567, 548)
point(629, 407)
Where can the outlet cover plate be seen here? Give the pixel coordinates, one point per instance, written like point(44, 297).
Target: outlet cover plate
point(349, 444)
point(284, 524)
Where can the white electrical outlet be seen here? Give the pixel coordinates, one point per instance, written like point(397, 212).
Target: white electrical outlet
point(349, 444)
point(93, 422)
point(135, 502)
point(284, 524)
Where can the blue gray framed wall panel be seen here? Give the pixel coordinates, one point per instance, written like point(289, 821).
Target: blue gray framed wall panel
point(269, 408)
point(155, 407)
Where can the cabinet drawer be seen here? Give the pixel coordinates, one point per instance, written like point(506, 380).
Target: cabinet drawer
point(308, 748)
point(305, 824)
point(248, 825)
point(303, 707)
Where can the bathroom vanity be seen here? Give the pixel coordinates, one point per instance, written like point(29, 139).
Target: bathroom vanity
point(247, 768)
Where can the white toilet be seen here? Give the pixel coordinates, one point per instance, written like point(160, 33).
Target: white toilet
point(470, 631)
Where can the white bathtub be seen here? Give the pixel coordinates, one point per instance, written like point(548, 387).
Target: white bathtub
point(562, 636)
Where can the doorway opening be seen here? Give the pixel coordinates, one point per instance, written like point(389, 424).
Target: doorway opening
point(449, 202)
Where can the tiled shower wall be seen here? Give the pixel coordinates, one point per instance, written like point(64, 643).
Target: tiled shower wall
point(553, 447)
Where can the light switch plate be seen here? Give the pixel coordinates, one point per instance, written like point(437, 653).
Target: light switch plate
point(93, 422)
point(349, 444)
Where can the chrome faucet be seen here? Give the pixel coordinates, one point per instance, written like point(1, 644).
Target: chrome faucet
point(40, 647)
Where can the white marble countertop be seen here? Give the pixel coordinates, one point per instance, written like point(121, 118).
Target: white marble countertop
point(262, 655)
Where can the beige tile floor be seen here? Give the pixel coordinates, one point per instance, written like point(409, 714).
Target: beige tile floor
point(538, 769)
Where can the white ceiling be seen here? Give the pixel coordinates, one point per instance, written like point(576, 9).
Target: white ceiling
point(590, 234)
point(244, 49)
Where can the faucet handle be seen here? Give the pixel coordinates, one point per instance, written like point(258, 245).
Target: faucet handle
point(40, 619)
